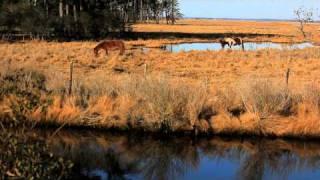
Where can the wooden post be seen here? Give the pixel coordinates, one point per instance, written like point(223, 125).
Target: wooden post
point(287, 76)
point(145, 70)
point(71, 78)
point(9, 65)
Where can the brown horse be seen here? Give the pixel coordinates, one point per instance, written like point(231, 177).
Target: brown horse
point(110, 45)
point(231, 42)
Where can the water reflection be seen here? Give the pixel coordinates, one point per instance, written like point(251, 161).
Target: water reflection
point(251, 46)
point(109, 156)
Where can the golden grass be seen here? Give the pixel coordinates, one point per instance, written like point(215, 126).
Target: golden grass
point(217, 68)
point(179, 89)
point(162, 104)
point(149, 103)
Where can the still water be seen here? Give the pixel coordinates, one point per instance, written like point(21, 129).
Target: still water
point(115, 156)
point(252, 46)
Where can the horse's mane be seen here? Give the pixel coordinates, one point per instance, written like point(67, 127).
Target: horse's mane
point(99, 45)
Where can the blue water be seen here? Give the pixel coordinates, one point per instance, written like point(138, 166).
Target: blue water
point(252, 46)
point(111, 156)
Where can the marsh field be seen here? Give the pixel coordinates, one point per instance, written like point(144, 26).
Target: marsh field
point(269, 90)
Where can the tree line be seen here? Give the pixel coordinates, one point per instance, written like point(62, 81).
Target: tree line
point(82, 18)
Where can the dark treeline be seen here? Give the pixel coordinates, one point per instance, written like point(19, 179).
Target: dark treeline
point(82, 18)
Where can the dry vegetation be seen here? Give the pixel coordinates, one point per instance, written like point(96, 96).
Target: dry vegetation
point(217, 68)
point(163, 103)
point(197, 91)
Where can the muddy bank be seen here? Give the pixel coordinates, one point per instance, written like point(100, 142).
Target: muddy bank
point(174, 35)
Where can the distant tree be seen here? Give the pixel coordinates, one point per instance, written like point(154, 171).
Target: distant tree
point(175, 11)
point(34, 20)
point(156, 8)
point(11, 15)
point(166, 9)
point(303, 16)
point(81, 18)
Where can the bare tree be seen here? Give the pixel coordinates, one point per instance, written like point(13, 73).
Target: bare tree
point(303, 16)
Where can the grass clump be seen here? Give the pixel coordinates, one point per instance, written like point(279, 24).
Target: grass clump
point(266, 99)
point(164, 104)
point(22, 82)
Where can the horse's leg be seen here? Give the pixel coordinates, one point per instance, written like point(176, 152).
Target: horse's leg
point(107, 53)
point(121, 50)
point(222, 45)
point(232, 44)
point(96, 52)
point(242, 45)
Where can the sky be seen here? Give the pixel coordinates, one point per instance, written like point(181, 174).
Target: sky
point(246, 9)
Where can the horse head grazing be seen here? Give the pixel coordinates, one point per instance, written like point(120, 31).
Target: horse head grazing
point(110, 45)
point(96, 51)
point(222, 42)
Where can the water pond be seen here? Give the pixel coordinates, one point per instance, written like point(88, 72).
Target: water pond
point(115, 156)
point(252, 46)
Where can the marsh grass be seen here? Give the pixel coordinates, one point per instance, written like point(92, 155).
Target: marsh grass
point(160, 103)
point(221, 68)
point(152, 102)
point(311, 95)
point(170, 105)
point(265, 98)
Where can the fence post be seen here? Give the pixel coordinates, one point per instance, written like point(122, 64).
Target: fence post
point(287, 76)
point(71, 78)
point(9, 65)
point(145, 70)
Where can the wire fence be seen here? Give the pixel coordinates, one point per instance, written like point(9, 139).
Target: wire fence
point(23, 37)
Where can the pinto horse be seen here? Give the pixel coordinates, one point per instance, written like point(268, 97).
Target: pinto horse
point(110, 45)
point(231, 42)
